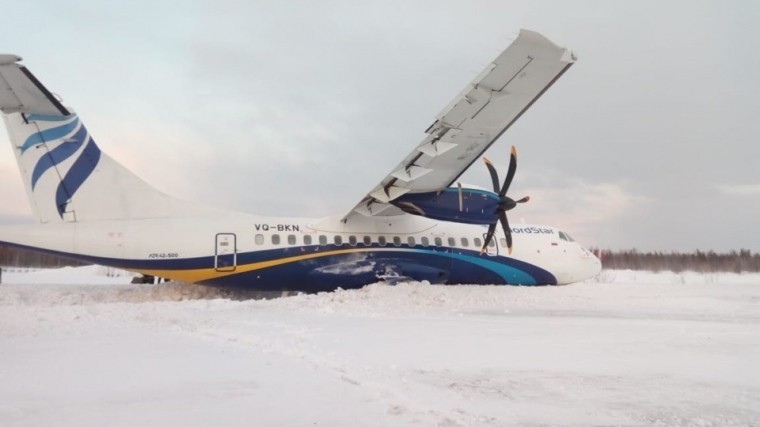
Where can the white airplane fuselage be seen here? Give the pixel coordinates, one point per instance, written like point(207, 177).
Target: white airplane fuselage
point(273, 253)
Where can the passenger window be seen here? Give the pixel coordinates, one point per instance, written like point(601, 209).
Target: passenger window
point(291, 239)
point(307, 239)
point(338, 240)
point(367, 240)
point(275, 239)
point(465, 242)
point(492, 243)
point(259, 239)
point(476, 241)
point(503, 242)
point(381, 240)
point(352, 240)
point(438, 241)
point(397, 241)
point(425, 241)
point(452, 242)
point(322, 240)
point(411, 241)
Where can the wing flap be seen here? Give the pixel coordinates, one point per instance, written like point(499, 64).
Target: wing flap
point(411, 173)
point(473, 120)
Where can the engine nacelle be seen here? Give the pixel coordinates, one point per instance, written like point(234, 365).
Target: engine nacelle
point(476, 206)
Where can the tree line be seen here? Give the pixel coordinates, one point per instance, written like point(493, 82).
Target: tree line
point(700, 261)
point(13, 257)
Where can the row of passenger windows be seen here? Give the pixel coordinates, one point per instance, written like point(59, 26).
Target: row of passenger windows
point(291, 239)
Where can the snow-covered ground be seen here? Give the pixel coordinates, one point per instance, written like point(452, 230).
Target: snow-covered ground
point(629, 348)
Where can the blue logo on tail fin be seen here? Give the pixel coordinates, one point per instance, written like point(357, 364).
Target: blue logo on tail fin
point(49, 134)
point(80, 170)
point(77, 175)
point(58, 154)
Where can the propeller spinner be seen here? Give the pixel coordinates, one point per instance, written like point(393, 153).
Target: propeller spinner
point(505, 203)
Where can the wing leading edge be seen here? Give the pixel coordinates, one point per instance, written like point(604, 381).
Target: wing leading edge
point(472, 121)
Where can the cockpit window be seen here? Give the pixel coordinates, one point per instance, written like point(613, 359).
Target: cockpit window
point(566, 237)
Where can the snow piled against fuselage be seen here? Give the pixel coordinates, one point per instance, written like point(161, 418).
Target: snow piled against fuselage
point(100, 275)
point(94, 284)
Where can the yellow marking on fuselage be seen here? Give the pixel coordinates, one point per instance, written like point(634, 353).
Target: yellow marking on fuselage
point(201, 274)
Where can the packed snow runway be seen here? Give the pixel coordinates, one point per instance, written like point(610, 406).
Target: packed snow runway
point(77, 348)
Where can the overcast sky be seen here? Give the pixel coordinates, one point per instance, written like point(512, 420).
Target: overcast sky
point(650, 141)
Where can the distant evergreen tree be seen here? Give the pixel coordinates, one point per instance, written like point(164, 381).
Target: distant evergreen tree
point(704, 262)
point(13, 257)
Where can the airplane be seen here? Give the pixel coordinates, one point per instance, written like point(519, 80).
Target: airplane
point(418, 223)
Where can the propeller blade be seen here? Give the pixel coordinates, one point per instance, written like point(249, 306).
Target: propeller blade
point(494, 175)
point(489, 237)
point(523, 200)
point(510, 171)
point(461, 205)
point(507, 231)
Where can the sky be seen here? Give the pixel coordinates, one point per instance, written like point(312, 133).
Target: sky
point(650, 141)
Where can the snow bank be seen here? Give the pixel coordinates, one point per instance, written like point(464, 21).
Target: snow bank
point(628, 348)
point(669, 277)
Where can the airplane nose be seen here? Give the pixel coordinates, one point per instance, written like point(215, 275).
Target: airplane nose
point(594, 266)
point(582, 265)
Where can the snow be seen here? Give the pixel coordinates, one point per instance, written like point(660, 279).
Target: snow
point(627, 348)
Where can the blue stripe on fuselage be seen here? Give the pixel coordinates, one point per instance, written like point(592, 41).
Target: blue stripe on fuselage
point(464, 266)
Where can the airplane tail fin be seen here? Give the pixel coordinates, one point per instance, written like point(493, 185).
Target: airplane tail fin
point(67, 177)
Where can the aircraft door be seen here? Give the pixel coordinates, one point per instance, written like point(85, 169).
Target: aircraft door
point(225, 256)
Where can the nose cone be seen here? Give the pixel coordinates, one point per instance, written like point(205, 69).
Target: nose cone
point(593, 266)
point(587, 267)
point(577, 265)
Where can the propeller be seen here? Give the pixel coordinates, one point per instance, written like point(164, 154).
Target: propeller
point(505, 203)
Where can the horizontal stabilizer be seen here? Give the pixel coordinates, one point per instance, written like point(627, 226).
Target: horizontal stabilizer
point(21, 92)
point(66, 175)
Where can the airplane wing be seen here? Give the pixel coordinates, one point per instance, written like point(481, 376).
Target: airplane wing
point(21, 92)
point(473, 121)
